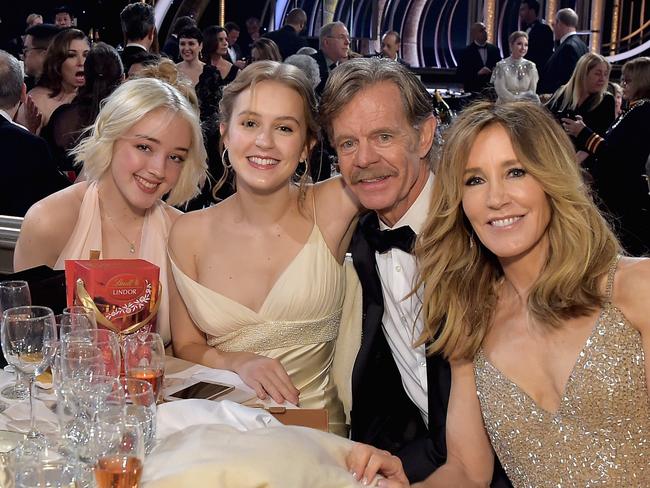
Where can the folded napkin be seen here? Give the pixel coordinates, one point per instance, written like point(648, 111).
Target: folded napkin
point(177, 416)
point(224, 444)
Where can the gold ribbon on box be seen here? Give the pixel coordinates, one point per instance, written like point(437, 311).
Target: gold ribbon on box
point(88, 302)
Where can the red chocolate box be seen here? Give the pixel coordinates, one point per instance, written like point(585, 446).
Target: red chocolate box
point(123, 292)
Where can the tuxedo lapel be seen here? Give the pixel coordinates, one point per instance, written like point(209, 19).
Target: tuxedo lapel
point(365, 265)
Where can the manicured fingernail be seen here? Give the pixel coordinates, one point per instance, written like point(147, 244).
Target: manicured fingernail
point(355, 475)
point(364, 481)
point(382, 483)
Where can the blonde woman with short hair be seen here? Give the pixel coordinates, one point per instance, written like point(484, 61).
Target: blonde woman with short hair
point(146, 143)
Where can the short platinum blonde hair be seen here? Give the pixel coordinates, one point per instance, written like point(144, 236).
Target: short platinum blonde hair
point(127, 105)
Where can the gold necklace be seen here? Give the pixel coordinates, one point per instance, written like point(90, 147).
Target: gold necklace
point(129, 242)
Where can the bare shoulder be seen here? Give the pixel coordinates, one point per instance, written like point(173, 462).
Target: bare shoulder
point(47, 227)
point(172, 212)
point(632, 289)
point(189, 230)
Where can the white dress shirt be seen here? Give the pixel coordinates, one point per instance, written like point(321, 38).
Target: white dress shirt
point(5, 114)
point(402, 321)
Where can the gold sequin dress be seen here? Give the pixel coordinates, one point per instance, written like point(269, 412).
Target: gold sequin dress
point(297, 324)
point(599, 436)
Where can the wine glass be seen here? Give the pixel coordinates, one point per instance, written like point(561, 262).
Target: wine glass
point(139, 403)
point(119, 447)
point(27, 336)
point(14, 294)
point(106, 341)
point(80, 316)
point(144, 359)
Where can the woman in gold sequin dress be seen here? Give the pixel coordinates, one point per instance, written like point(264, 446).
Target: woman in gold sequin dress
point(258, 281)
point(546, 328)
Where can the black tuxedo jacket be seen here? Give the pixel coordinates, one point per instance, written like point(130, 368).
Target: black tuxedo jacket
point(28, 171)
point(287, 40)
point(471, 62)
point(382, 413)
point(561, 64)
point(540, 44)
point(323, 70)
point(128, 54)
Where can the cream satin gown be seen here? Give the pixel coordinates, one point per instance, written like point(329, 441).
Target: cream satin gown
point(297, 324)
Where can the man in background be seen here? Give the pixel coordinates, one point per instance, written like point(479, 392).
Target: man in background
point(63, 17)
point(477, 60)
point(540, 34)
point(561, 64)
point(37, 39)
point(391, 42)
point(139, 29)
point(234, 50)
point(334, 41)
point(28, 171)
point(288, 37)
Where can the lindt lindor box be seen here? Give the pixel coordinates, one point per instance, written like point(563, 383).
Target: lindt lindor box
point(124, 293)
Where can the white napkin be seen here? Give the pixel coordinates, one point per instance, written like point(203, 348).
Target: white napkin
point(179, 415)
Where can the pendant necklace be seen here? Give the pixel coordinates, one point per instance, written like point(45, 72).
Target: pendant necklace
point(128, 241)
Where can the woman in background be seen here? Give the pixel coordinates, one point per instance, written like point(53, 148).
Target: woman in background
point(103, 73)
point(190, 42)
point(265, 49)
point(145, 143)
point(63, 75)
point(585, 94)
point(621, 157)
point(515, 78)
point(215, 54)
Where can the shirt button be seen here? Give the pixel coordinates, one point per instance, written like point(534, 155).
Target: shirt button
point(423, 364)
point(398, 268)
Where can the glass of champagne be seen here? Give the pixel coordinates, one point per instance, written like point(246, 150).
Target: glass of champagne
point(144, 359)
point(120, 453)
point(14, 294)
point(28, 335)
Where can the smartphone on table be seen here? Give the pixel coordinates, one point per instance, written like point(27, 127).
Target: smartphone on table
point(205, 390)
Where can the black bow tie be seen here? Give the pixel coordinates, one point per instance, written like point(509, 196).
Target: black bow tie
point(382, 240)
point(332, 66)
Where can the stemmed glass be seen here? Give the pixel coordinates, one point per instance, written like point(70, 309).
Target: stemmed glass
point(14, 294)
point(28, 335)
point(81, 316)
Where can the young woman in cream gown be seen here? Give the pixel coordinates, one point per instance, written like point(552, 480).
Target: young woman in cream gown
point(259, 281)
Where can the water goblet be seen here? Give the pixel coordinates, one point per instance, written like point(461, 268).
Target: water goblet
point(14, 294)
point(27, 335)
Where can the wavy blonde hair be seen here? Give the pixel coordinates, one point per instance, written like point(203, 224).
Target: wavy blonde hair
point(460, 275)
point(128, 104)
point(575, 88)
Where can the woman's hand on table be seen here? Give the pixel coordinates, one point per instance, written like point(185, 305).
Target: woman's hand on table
point(266, 376)
point(365, 462)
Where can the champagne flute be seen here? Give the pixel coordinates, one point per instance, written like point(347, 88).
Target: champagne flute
point(144, 359)
point(120, 457)
point(140, 404)
point(27, 336)
point(14, 294)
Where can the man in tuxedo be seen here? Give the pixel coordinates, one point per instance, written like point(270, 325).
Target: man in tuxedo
point(477, 60)
point(139, 29)
point(234, 51)
point(378, 116)
point(28, 171)
point(288, 37)
point(540, 34)
point(334, 41)
point(561, 64)
point(390, 46)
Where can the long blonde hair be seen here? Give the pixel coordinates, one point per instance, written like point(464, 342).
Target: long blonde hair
point(570, 94)
point(460, 275)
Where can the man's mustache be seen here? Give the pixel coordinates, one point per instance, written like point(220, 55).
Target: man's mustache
point(371, 174)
